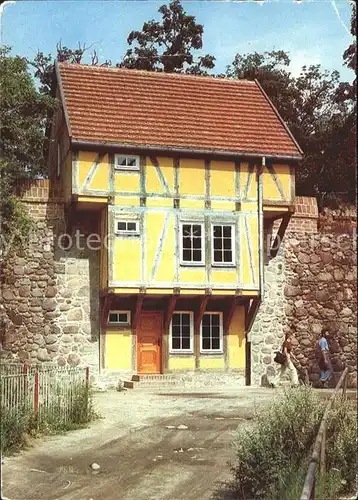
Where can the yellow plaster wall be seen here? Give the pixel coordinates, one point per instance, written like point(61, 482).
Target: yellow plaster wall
point(236, 339)
point(212, 363)
point(222, 177)
point(181, 363)
point(118, 349)
point(126, 181)
point(192, 177)
point(126, 259)
point(270, 189)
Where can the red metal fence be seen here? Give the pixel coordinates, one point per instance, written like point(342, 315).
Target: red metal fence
point(47, 391)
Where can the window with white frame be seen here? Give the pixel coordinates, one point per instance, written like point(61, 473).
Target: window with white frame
point(181, 332)
point(192, 243)
point(223, 244)
point(124, 162)
point(127, 227)
point(211, 332)
point(119, 317)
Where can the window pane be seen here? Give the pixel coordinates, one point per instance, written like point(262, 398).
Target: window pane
point(206, 331)
point(186, 242)
point(131, 162)
point(187, 230)
point(215, 343)
point(227, 244)
point(227, 231)
point(196, 230)
point(123, 318)
point(217, 244)
point(187, 255)
point(113, 317)
point(218, 257)
point(175, 331)
point(197, 256)
point(205, 342)
point(217, 231)
point(185, 319)
point(197, 243)
point(227, 256)
point(176, 319)
point(121, 226)
point(185, 343)
point(185, 331)
point(206, 320)
point(215, 319)
point(131, 226)
point(121, 160)
point(175, 343)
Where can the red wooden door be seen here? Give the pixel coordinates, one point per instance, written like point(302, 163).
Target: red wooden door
point(149, 337)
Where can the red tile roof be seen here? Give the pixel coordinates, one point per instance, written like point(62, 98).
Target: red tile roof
point(172, 112)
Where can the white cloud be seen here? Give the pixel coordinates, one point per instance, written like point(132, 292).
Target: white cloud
point(301, 58)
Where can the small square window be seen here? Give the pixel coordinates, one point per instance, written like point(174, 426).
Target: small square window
point(192, 244)
point(181, 332)
point(127, 227)
point(211, 332)
point(119, 318)
point(122, 162)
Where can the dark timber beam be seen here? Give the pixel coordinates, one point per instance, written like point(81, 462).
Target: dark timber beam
point(200, 312)
point(230, 312)
point(279, 236)
point(105, 310)
point(169, 311)
point(138, 310)
point(251, 313)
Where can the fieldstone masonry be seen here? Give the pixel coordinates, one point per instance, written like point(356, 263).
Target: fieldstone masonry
point(49, 298)
point(310, 285)
point(49, 305)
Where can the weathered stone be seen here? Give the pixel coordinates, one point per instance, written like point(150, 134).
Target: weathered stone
point(73, 359)
point(291, 291)
point(322, 295)
point(75, 315)
point(49, 304)
point(43, 355)
point(50, 291)
point(51, 339)
point(19, 270)
point(24, 291)
point(37, 292)
point(61, 361)
point(346, 311)
point(8, 294)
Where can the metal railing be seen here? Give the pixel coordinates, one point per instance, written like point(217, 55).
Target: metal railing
point(319, 449)
point(47, 391)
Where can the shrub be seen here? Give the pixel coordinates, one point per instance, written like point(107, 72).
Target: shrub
point(14, 426)
point(274, 451)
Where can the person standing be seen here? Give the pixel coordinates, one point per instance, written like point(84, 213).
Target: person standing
point(324, 359)
point(287, 366)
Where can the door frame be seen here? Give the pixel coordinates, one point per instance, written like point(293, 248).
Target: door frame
point(150, 313)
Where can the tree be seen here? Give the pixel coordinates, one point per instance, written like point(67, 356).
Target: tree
point(318, 120)
point(44, 64)
point(23, 114)
point(168, 45)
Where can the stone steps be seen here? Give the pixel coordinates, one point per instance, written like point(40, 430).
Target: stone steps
point(200, 380)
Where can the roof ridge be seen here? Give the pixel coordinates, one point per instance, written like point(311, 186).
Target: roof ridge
point(161, 74)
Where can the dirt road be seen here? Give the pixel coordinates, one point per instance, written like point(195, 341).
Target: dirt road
point(142, 453)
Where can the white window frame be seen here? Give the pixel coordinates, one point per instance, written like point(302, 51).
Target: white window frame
point(221, 341)
point(192, 263)
point(119, 323)
point(191, 348)
point(127, 232)
point(126, 167)
point(233, 243)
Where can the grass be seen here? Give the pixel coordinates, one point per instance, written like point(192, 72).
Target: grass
point(272, 454)
point(17, 425)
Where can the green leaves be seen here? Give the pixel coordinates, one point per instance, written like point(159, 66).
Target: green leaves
point(168, 45)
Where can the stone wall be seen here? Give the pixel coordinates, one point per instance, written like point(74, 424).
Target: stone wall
point(310, 285)
point(49, 296)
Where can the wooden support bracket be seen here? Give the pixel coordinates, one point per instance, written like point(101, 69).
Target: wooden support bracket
point(104, 311)
point(230, 312)
point(200, 312)
point(138, 310)
point(279, 236)
point(251, 312)
point(169, 311)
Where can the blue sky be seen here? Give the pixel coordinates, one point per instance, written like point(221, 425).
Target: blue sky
point(312, 31)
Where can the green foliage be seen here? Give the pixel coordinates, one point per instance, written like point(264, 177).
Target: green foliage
point(168, 45)
point(274, 451)
point(56, 417)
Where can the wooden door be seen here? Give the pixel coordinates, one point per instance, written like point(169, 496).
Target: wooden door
point(149, 339)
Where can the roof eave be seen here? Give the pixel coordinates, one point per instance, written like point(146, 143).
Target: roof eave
point(63, 100)
point(280, 117)
point(78, 143)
